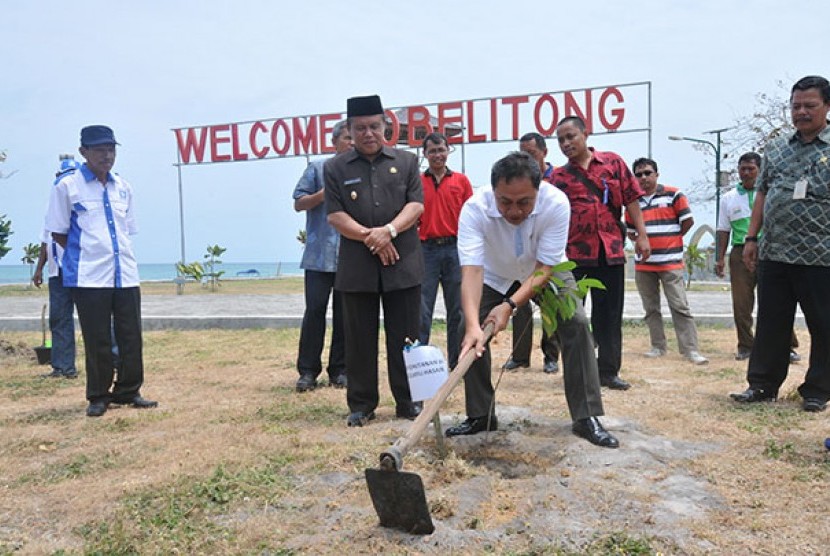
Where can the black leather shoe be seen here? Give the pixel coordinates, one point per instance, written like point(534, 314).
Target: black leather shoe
point(513, 365)
point(742, 355)
point(814, 405)
point(473, 425)
point(794, 356)
point(592, 430)
point(338, 381)
point(614, 383)
point(551, 367)
point(54, 374)
point(96, 409)
point(306, 382)
point(409, 411)
point(142, 403)
point(360, 418)
point(71, 374)
point(753, 395)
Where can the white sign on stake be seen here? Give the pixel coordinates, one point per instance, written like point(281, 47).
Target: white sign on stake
point(426, 371)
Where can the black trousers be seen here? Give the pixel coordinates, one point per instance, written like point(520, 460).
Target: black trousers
point(606, 313)
point(780, 287)
point(582, 388)
point(102, 312)
point(318, 289)
point(401, 320)
point(523, 338)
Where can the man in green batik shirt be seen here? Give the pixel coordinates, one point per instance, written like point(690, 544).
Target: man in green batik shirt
point(792, 207)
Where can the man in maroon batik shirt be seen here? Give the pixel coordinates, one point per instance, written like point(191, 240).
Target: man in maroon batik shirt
point(598, 185)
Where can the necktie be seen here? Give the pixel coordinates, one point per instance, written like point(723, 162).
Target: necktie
point(518, 242)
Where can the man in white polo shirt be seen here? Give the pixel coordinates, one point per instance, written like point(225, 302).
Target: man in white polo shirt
point(91, 216)
point(509, 237)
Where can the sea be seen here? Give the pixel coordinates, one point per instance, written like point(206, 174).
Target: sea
point(20, 273)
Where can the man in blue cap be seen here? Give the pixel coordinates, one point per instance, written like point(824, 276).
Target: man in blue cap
point(91, 215)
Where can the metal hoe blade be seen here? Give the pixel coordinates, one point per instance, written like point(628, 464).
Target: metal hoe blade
point(400, 500)
point(398, 496)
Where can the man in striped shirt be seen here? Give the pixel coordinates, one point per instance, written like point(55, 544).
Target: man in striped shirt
point(667, 218)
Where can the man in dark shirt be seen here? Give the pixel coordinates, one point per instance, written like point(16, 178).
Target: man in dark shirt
point(599, 185)
point(374, 198)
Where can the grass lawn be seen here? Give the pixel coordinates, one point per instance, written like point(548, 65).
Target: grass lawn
point(234, 461)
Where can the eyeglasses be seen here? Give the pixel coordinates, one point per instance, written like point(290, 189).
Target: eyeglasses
point(438, 150)
point(643, 173)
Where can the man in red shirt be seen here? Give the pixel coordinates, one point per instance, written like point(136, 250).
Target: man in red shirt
point(444, 193)
point(534, 145)
point(598, 185)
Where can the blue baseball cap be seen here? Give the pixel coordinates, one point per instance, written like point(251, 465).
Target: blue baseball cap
point(97, 135)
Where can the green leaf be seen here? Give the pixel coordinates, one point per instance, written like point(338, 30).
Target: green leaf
point(591, 283)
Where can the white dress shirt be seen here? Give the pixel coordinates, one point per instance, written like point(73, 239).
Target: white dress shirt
point(509, 253)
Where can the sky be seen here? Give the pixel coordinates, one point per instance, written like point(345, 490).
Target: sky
point(144, 68)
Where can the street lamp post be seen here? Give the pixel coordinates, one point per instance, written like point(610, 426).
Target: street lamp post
point(716, 146)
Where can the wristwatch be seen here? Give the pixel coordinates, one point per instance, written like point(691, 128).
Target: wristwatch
point(751, 238)
point(513, 306)
point(392, 231)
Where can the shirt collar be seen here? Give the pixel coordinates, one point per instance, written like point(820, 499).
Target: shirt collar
point(447, 172)
point(744, 191)
point(598, 156)
point(89, 176)
point(823, 136)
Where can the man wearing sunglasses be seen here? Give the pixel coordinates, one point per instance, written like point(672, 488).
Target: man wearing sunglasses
point(667, 218)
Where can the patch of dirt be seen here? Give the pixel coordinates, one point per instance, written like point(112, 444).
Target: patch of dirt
point(534, 479)
point(16, 350)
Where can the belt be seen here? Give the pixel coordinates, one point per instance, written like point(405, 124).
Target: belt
point(448, 240)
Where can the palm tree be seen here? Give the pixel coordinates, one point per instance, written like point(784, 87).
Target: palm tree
point(31, 253)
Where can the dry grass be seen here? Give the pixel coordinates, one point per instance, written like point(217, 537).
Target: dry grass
point(234, 461)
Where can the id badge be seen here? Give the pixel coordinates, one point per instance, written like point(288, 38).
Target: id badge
point(800, 191)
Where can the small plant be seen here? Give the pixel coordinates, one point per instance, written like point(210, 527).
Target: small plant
point(694, 258)
point(556, 304)
point(774, 450)
point(194, 270)
point(302, 237)
point(31, 252)
point(211, 261)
